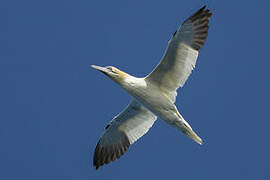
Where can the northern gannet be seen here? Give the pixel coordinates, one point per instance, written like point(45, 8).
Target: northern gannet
point(155, 94)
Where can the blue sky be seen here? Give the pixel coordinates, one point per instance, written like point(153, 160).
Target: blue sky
point(54, 107)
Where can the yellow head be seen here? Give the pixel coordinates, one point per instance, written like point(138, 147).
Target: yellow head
point(112, 72)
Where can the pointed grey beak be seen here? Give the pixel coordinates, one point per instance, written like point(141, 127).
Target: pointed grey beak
point(101, 69)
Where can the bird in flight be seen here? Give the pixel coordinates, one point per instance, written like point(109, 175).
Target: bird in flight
point(154, 95)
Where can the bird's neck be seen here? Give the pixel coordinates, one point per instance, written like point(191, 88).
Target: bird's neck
point(131, 82)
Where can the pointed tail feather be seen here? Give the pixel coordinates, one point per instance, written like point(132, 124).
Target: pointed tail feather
point(183, 126)
point(191, 134)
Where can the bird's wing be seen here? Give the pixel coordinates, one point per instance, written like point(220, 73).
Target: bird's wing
point(181, 54)
point(128, 126)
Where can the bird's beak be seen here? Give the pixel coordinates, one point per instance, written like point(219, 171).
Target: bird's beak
point(101, 69)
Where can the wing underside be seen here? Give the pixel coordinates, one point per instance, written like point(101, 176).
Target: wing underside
point(181, 54)
point(127, 127)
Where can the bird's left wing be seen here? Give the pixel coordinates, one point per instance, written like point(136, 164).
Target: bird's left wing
point(181, 54)
point(128, 126)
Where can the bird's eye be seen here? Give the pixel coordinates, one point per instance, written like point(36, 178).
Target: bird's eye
point(110, 68)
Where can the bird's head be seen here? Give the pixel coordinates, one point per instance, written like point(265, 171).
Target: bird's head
point(112, 72)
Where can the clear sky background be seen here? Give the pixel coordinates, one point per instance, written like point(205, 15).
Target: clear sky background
point(54, 107)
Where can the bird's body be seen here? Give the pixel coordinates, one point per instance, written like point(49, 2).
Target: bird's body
point(158, 102)
point(155, 94)
point(148, 94)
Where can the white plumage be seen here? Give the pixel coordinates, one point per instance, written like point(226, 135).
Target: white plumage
point(155, 94)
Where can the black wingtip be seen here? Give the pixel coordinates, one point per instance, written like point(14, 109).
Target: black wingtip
point(106, 154)
point(202, 8)
point(200, 21)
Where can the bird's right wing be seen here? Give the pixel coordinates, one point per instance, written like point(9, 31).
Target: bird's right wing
point(128, 126)
point(181, 54)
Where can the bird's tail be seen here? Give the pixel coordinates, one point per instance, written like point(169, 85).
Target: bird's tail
point(191, 134)
point(187, 130)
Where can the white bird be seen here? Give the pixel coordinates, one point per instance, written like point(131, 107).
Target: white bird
point(155, 94)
